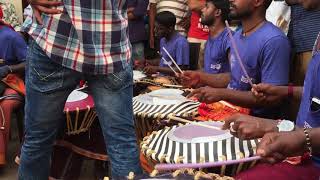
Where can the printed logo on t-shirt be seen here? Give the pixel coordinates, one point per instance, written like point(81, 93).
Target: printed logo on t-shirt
point(203, 27)
point(246, 80)
point(306, 125)
point(216, 66)
point(169, 63)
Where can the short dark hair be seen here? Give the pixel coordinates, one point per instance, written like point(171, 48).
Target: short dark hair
point(224, 6)
point(166, 18)
point(267, 3)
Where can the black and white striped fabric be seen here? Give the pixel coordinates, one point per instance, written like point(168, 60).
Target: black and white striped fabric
point(160, 103)
point(162, 111)
point(160, 148)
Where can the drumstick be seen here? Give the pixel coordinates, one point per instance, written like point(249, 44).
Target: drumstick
point(163, 96)
point(174, 62)
point(233, 43)
point(172, 85)
point(167, 63)
point(171, 117)
point(229, 105)
point(164, 167)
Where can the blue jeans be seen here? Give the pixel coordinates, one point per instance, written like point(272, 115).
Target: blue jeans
point(48, 85)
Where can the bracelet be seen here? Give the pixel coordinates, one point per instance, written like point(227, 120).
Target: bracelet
point(290, 90)
point(308, 141)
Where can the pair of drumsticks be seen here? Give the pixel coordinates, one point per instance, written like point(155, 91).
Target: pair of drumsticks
point(233, 43)
point(174, 62)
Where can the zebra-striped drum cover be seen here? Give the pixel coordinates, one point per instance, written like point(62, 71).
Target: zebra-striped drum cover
point(196, 144)
point(160, 103)
point(151, 108)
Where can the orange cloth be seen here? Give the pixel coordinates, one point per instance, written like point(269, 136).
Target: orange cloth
point(15, 82)
point(145, 164)
point(218, 111)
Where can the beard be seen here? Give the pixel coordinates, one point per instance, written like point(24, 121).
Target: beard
point(235, 13)
point(208, 21)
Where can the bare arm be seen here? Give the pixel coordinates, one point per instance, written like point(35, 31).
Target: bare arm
point(18, 68)
point(215, 80)
point(240, 98)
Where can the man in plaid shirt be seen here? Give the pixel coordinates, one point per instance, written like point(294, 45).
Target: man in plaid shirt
point(73, 40)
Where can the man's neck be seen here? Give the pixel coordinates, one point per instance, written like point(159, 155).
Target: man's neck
point(169, 37)
point(217, 28)
point(252, 23)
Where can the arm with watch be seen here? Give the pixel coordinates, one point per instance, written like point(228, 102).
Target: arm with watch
point(250, 127)
point(270, 95)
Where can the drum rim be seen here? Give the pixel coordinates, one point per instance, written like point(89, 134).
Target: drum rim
point(83, 104)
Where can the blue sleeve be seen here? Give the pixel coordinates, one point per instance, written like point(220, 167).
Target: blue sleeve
point(20, 48)
point(182, 52)
point(276, 61)
point(141, 8)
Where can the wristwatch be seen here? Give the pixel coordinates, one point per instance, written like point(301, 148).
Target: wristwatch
point(285, 126)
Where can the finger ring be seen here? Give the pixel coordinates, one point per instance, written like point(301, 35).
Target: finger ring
point(231, 127)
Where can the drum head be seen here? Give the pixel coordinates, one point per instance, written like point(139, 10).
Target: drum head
point(186, 134)
point(162, 97)
point(137, 75)
point(78, 99)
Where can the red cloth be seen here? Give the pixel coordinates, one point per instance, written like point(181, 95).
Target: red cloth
point(15, 82)
point(197, 30)
point(1, 13)
point(218, 111)
point(282, 171)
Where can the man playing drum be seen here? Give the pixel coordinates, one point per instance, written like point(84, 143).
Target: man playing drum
point(171, 44)
point(70, 41)
point(264, 53)
point(275, 144)
point(217, 49)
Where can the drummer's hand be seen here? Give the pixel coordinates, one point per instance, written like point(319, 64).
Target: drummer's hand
point(150, 70)
point(207, 94)
point(44, 6)
point(275, 147)
point(269, 94)
point(249, 127)
point(190, 79)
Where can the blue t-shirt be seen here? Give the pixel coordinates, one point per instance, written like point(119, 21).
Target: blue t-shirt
point(306, 116)
point(266, 55)
point(216, 54)
point(13, 48)
point(178, 48)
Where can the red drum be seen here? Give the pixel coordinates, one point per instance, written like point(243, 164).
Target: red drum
point(80, 113)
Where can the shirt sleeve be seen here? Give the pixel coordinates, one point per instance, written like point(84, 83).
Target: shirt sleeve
point(275, 61)
point(182, 52)
point(141, 8)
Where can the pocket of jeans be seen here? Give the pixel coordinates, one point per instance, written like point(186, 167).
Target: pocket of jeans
point(44, 74)
point(119, 80)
